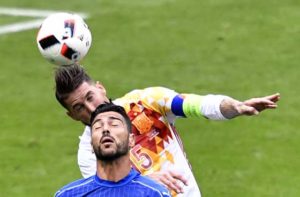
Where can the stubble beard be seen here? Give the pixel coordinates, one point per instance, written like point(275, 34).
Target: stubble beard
point(121, 150)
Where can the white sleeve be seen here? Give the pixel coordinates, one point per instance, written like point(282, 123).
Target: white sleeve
point(86, 157)
point(210, 107)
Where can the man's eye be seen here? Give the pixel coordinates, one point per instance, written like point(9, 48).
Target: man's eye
point(78, 108)
point(98, 125)
point(115, 124)
point(90, 98)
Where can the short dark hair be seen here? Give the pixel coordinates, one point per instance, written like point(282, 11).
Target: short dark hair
point(67, 79)
point(109, 106)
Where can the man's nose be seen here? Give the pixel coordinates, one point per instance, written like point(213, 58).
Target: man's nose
point(105, 131)
point(90, 107)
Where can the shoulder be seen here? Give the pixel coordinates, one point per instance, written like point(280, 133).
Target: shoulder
point(85, 139)
point(158, 89)
point(86, 134)
point(155, 92)
point(75, 186)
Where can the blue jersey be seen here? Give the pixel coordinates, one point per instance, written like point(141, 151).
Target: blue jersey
point(133, 185)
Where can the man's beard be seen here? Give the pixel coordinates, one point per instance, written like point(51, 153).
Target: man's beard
point(122, 149)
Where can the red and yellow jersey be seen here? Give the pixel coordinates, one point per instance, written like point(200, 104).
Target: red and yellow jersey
point(158, 147)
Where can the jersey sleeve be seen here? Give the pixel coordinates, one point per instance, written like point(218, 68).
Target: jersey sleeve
point(193, 105)
point(173, 104)
point(158, 99)
point(210, 107)
point(85, 156)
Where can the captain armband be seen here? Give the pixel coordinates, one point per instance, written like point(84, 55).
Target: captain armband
point(191, 105)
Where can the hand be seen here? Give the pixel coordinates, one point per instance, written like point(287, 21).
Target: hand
point(172, 180)
point(255, 105)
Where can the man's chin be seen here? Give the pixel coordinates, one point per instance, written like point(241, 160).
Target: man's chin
point(110, 155)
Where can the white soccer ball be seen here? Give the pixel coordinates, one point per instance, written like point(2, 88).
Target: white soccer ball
point(64, 38)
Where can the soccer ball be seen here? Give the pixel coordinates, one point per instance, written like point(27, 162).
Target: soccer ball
point(64, 38)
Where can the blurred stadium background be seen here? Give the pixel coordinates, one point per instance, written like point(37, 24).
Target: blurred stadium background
point(244, 48)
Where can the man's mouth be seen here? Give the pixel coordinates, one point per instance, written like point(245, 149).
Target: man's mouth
point(106, 140)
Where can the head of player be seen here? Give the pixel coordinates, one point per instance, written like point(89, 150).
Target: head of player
point(77, 92)
point(111, 140)
point(111, 132)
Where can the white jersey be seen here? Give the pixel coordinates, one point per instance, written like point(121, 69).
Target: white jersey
point(158, 146)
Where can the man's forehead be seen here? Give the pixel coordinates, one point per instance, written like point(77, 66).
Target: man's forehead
point(83, 88)
point(109, 115)
point(79, 93)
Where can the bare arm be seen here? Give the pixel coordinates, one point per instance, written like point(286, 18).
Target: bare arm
point(231, 108)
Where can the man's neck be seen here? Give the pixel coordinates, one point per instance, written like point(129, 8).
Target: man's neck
point(114, 170)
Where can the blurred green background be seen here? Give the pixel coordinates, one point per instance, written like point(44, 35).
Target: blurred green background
point(241, 48)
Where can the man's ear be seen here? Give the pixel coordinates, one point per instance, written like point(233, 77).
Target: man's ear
point(72, 116)
point(100, 86)
point(131, 140)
